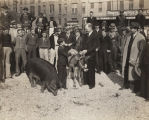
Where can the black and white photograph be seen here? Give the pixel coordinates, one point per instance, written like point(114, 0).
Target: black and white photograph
point(74, 59)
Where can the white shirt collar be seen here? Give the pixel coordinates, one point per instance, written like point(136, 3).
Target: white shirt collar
point(90, 33)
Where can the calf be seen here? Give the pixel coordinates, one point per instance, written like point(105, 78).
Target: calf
point(43, 73)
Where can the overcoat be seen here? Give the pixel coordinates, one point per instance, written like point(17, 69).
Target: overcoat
point(135, 50)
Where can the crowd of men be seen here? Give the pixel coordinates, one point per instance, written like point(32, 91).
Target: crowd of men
point(109, 48)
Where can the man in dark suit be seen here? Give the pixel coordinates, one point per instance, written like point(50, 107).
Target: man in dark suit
point(121, 19)
point(91, 19)
point(89, 47)
point(99, 37)
point(69, 39)
point(140, 18)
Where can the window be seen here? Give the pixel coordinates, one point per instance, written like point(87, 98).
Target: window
point(74, 8)
point(52, 8)
point(39, 1)
point(141, 3)
point(109, 5)
point(59, 21)
point(44, 8)
point(100, 7)
point(25, 2)
point(20, 2)
point(130, 4)
point(92, 5)
point(60, 8)
point(65, 8)
point(39, 9)
point(121, 5)
point(32, 1)
point(20, 9)
point(83, 8)
point(32, 9)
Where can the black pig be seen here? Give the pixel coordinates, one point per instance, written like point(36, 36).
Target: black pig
point(43, 73)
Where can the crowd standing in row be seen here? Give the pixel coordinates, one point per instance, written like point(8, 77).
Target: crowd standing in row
point(108, 48)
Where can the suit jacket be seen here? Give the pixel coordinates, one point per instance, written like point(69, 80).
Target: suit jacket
point(99, 37)
point(135, 53)
point(121, 20)
point(91, 20)
point(91, 44)
point(141, 20)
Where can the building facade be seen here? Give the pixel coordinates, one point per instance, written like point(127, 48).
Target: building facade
point(75, 11)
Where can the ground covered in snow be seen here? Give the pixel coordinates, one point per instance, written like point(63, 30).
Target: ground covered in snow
point(18, 101)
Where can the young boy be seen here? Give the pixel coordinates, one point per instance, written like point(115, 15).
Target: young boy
point(20, 50)
point(62, 63)
point(44, 46)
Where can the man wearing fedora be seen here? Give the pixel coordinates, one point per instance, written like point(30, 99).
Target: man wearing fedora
point(131, 58)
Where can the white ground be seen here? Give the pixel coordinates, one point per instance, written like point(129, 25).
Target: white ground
point(18, 101)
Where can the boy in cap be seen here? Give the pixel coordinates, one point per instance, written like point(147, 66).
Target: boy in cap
point(62, 63)
point(20, 50)
point(44, 46)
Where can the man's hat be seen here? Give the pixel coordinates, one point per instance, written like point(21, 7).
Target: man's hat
point(134, 25)
point(5, 7)
point(25, 8)
point(20, 29)
point(96, 23)
point(112, 26)
point(13, 22)
point(60, 40)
